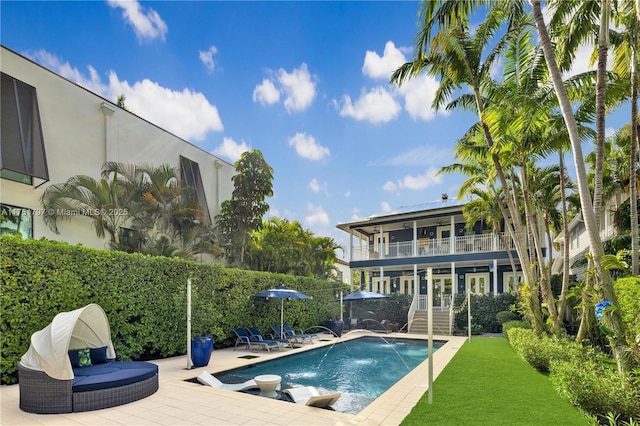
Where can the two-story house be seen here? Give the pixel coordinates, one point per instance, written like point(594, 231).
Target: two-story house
point(393, 252)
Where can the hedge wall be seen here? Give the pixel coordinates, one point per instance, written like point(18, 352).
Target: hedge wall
point(144, 298)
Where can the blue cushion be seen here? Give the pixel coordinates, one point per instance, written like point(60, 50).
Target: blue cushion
point(98, 355)
point(73, 357)
point(112, 375)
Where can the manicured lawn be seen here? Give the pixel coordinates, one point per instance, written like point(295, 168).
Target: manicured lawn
point(486, 383)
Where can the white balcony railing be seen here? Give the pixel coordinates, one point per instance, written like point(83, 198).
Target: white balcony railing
point(434, 247)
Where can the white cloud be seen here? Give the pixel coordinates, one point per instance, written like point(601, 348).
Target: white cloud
point(93, 83)
point(298, 87)
point(419, 94)
point(266, 93)
point(307, 147)
point(316, 186)
point(347, 194)
point(185, 113)
point(146, 22)
point(206, 56)
point(317, 216)
point(231, 149)
point(273, 213)
point(386, 208)
point(419, 156)
point(375, 106)
point(422, 181)
point(376, 66)
point(390, 186)
point(609, 131)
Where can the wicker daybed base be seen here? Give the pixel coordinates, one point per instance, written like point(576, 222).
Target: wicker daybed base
point(42, 394)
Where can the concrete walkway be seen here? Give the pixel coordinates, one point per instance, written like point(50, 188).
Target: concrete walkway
point(178, 402)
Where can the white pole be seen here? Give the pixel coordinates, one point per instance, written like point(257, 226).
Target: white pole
point(282, 318)
point(469, 313)
point(430, 329)
point(189, 364)
point(341, 311)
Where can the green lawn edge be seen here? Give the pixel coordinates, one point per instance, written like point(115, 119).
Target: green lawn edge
point(486, 383)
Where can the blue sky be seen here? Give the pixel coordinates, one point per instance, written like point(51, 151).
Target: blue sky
point(304, 82)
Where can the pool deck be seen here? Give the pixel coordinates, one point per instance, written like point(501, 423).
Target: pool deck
point(182, 403)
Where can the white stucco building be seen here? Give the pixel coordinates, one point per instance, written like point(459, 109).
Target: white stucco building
point(52, 129)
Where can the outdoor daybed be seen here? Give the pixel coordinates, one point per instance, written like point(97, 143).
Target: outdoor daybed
point(59, 375)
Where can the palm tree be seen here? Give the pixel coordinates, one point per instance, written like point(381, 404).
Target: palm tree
point(459, 59)
point(613, 319)
point(109, 203)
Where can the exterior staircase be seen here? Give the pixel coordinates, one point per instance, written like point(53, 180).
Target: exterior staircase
point(419, 325)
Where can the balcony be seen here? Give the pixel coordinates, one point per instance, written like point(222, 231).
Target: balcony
point(432, 247)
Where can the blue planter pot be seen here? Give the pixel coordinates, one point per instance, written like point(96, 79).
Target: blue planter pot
point(201, 348)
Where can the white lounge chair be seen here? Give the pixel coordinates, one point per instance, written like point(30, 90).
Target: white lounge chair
point(209, 380)
point(308, 395)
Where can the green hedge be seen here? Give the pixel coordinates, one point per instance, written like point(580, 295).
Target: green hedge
point(583, 374)
point(484, 309)
point(144, 298)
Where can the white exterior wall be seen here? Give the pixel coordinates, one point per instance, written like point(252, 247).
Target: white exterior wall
point(74, 133)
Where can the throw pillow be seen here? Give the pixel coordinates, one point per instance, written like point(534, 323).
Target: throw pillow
point(73, 357)
point(98, 355)
point(84, 356)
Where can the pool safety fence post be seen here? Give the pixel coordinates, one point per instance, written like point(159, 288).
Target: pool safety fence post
point(430, 330)
point(341, 310)
point(189, 363)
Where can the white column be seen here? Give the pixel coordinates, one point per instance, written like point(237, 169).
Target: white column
point(218, 165)
point(381, 245)
point(381, 283)
point(495, 277)
point(452, 244)
point(108, 110)
point(415, 238)
point(454, 280)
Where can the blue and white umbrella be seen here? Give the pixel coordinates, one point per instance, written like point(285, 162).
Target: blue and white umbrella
point(282, 292)
point(363, 295)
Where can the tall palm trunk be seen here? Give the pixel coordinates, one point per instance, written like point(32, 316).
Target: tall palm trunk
point(612, 318)
point(513, 219)
point(601, 90)
point(545, 287)
point(635, 143)
point(562, 300)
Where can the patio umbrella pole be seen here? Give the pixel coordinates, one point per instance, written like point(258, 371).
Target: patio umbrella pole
point(282, 318)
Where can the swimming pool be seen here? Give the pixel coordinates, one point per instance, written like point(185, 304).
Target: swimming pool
point(362, 369)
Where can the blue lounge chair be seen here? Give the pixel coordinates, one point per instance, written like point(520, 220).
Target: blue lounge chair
point(255, 335)
point(289, 333)
point(245, 339)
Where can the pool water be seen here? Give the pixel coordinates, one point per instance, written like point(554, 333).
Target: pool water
point(362, 369)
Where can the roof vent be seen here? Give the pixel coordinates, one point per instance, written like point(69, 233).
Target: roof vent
point(445, 197)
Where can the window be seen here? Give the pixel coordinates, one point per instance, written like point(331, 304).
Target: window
point(22, 154)
point(191, 178)
point(16, 220)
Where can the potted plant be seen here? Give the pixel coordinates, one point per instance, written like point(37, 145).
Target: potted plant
point(201, 348)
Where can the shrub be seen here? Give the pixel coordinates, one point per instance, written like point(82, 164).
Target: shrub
point(476, 329)
point(505, 316)
point(541, 351)
point(628, 292)
point(144, 298)
point(484, 309)
point(514, 324)
point(597, 388)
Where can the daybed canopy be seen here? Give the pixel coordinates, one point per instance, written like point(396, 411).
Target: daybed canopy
point(86, 327)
